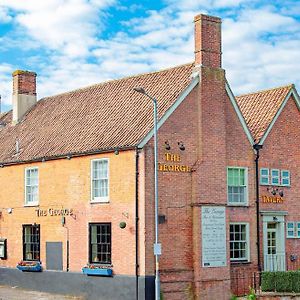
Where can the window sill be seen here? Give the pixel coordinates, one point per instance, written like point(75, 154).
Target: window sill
point(238, 204)
point(31, 204)
point(240, 262)
point(99, 201)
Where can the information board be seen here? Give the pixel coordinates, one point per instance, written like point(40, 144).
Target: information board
point(213, 236)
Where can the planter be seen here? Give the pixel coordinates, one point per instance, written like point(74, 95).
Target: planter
point(97, 272)
point(30, 267)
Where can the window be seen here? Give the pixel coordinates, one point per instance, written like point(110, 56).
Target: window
point(278, 177)
point(275, 177)
point(100, 182)
point(298, 230)
point(239, 246)
point(293, 230)
point(264, 176)
point(31, 242)
point(31, 186)
point(100, 243)
point(237, 185)
point(285, 178)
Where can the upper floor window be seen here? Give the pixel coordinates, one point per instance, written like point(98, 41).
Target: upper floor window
point(264, 176)
point(100, 180)
point(31, 242)
point(31, 186)
point(275, 177)
point(285, 178)
point(237, 185)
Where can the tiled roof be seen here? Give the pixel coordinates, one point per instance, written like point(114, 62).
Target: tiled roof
point(102, 116)
point(260, 108)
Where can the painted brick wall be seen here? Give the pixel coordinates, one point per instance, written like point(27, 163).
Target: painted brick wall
point(66, 184)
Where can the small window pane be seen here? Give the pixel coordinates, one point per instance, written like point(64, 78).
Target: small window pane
point(290, 230)
point(285, 178)
point(275, 177)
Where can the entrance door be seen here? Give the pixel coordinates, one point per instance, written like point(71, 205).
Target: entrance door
point(274, 248)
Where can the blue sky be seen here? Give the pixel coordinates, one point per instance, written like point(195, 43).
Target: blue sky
point(75, 43)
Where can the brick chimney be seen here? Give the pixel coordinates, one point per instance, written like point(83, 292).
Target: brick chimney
point(24, 93)
point(207, 41)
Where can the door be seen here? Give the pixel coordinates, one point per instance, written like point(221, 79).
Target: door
point(274, 254)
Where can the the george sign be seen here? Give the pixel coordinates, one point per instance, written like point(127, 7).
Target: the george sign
point(271, 199)
point(54, 212)
point(213, 236)
point(172, 164)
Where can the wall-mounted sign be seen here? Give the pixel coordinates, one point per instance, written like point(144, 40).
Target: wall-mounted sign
point(54, 212)
point(213, 236)
point(172, 164)
point(271, 199)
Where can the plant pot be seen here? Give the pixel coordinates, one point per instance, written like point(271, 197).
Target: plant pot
point(30, 268)
point(97, 272)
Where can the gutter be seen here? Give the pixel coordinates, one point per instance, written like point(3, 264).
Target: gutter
point(257, 148)
point(66, 155)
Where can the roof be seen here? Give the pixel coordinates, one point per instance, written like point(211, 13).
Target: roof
point(259, 109)
point(103, 116)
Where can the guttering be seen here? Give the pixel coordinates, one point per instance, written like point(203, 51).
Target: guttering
point(66, 155)
point(257, 147)
point(136, 223)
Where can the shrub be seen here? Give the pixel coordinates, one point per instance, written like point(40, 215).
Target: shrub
point(280, 281)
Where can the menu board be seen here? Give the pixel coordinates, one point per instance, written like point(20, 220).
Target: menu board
point(213, 236)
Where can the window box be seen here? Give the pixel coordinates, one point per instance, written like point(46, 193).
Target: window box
point(29, 266)
point(97, 270)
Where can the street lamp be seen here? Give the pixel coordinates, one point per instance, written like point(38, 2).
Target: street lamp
point(157, 246)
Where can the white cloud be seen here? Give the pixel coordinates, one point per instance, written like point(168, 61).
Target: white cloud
point(260, 45)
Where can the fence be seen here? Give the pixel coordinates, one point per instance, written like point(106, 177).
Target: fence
point(243, 280)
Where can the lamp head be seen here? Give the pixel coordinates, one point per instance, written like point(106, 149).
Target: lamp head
point(139, 90)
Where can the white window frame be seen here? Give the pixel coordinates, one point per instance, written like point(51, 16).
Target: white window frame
point(245, 203)
point(288, 236)
point(285, 177)
point(261, 176)
point(26, 202)
point(247, 257)
point(99, 199)
point(275, 184)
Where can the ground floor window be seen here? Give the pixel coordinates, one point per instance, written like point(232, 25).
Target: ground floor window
point(100, 243)
point(239, 242)
point(31, 242)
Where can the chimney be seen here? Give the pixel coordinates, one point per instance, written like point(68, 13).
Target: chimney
point(207, 41)
point(24, 93)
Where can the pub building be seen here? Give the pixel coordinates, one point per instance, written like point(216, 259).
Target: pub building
point(77, 182)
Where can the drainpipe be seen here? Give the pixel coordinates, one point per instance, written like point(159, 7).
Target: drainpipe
point(257, 147)
point(136, 223)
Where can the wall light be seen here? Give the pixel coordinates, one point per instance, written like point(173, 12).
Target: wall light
point(181, 146)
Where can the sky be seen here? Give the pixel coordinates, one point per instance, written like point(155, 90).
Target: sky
point(75, 43)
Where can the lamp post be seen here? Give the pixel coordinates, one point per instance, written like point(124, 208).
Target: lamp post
point(157, 246)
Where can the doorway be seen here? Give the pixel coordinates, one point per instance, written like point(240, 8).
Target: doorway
point(274, 243)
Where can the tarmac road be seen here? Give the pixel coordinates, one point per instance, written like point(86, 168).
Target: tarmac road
point(16, 293)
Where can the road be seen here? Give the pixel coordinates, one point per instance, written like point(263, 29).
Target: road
point(16, 293)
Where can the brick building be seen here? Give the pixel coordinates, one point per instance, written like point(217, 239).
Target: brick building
point(77, 184)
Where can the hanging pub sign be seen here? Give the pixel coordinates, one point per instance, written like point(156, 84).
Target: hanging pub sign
point(54, 212)
point(172, 163)
point(271, 199)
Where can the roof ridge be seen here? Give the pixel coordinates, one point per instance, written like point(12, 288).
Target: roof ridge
point(116, 79)
point(291, 85)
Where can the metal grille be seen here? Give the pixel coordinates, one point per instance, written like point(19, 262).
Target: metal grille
point(31, 242)
point(100, 243)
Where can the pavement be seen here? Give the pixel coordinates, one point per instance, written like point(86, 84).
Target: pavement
point(16, 293)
